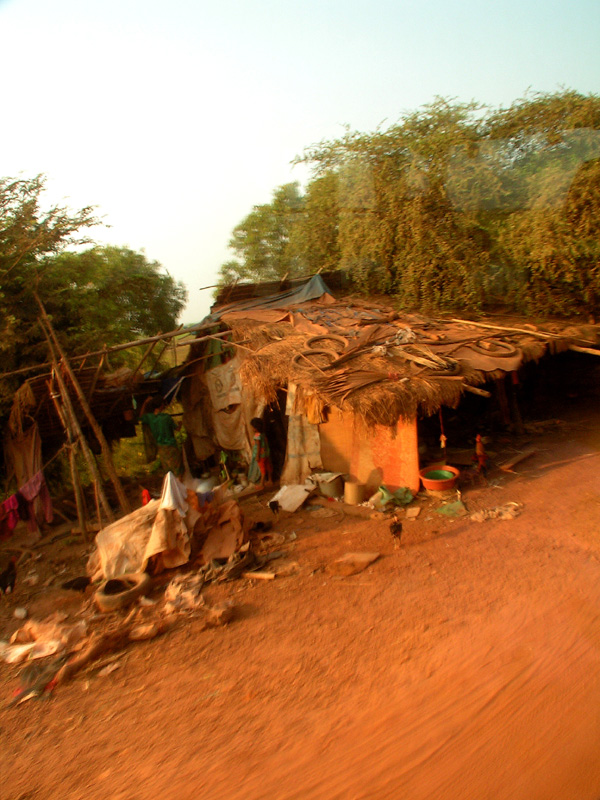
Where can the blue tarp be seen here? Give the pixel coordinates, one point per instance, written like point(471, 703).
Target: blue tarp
point(311, 290)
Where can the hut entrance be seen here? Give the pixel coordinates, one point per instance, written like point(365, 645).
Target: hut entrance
point(276, 425)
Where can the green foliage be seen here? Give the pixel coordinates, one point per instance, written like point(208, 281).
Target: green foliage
point(103, 295)
point(28, 233)
point(454, 206)
point(108, 293)
point(260, 241)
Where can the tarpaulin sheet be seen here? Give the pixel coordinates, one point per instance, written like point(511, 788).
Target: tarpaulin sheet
point(159, 527)
point(476, 360)
point(314, 289)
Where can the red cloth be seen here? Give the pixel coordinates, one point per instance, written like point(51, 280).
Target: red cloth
point(36, 487)
point(9, 516)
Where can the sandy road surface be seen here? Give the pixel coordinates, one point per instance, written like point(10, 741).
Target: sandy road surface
point(464, 665)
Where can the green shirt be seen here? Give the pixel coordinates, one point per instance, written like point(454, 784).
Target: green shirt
point(162, 427)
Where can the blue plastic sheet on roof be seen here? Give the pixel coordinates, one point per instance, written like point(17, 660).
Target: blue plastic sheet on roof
point(311, 290)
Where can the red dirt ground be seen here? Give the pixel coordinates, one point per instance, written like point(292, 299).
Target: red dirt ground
point(465, 664)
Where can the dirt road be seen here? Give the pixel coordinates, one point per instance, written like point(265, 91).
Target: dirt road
point(465, 664)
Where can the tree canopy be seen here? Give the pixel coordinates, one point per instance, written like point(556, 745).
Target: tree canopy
point(454, 206)
point(95, 296)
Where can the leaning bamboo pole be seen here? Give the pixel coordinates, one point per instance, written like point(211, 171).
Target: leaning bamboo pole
point(71, 445)
point(128, 345)
point(106, 452)
point(78, 436)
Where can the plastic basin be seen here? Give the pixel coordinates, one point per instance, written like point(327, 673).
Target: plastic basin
point(439, 479)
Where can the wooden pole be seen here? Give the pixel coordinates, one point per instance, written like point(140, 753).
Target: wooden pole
point(147, 352)
point(60, 410)
point(537, 334)
point(110, 467)
point(73, 422)
point(97, 375)
point(587, 350)
point(127, 346)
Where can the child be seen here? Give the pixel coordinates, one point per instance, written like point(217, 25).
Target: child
point(261, 453)
point(163, 430)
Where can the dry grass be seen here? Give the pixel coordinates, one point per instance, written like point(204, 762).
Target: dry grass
point(378, 388)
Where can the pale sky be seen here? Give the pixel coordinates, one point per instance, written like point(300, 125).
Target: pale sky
point(174, 118)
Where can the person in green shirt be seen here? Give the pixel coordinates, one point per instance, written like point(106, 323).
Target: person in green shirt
point(163, 429)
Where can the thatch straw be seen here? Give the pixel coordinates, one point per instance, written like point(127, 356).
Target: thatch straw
point(378, 386)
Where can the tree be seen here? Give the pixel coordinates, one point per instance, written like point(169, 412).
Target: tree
point(551, 238)
point(28, 234)
point(260, 241)
point(112, 293)
point(313, 241)
point(399, 231)
point(454, 206)
point(100, 296)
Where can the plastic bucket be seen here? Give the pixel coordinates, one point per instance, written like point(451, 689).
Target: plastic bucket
point(354, 493)
point(333, 488)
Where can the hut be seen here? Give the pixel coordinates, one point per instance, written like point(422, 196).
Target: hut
point(343, 381)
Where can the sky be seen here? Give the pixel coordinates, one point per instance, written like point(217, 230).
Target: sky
point(175, 118)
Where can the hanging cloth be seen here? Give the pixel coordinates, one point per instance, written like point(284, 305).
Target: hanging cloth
point(36, 489)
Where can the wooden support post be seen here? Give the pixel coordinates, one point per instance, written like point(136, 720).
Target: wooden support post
point(70, 418)
point(147, 352)
point(75, 427)
point(77, 493)
point(97, 375)
point(110, 468)
point(159, 356)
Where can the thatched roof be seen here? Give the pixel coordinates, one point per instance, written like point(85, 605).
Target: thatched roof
point(365, 358)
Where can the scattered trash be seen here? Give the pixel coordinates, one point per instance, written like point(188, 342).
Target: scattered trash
point(291, 497)
point(141, 633)
point(413, 512)
point(287, 569)
point(36, 640)
point(53, 628)
point(20, 613)
point(36, 679)
point(376, 500)
point(351, 563)
point(183, 593)
point(16, 653)
point(507, 511)
point(456, 509)
point(109, 669)
point(507, 466)
point(259, 575)
point(121, 591)
point(220, 614)
point(401, 497)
